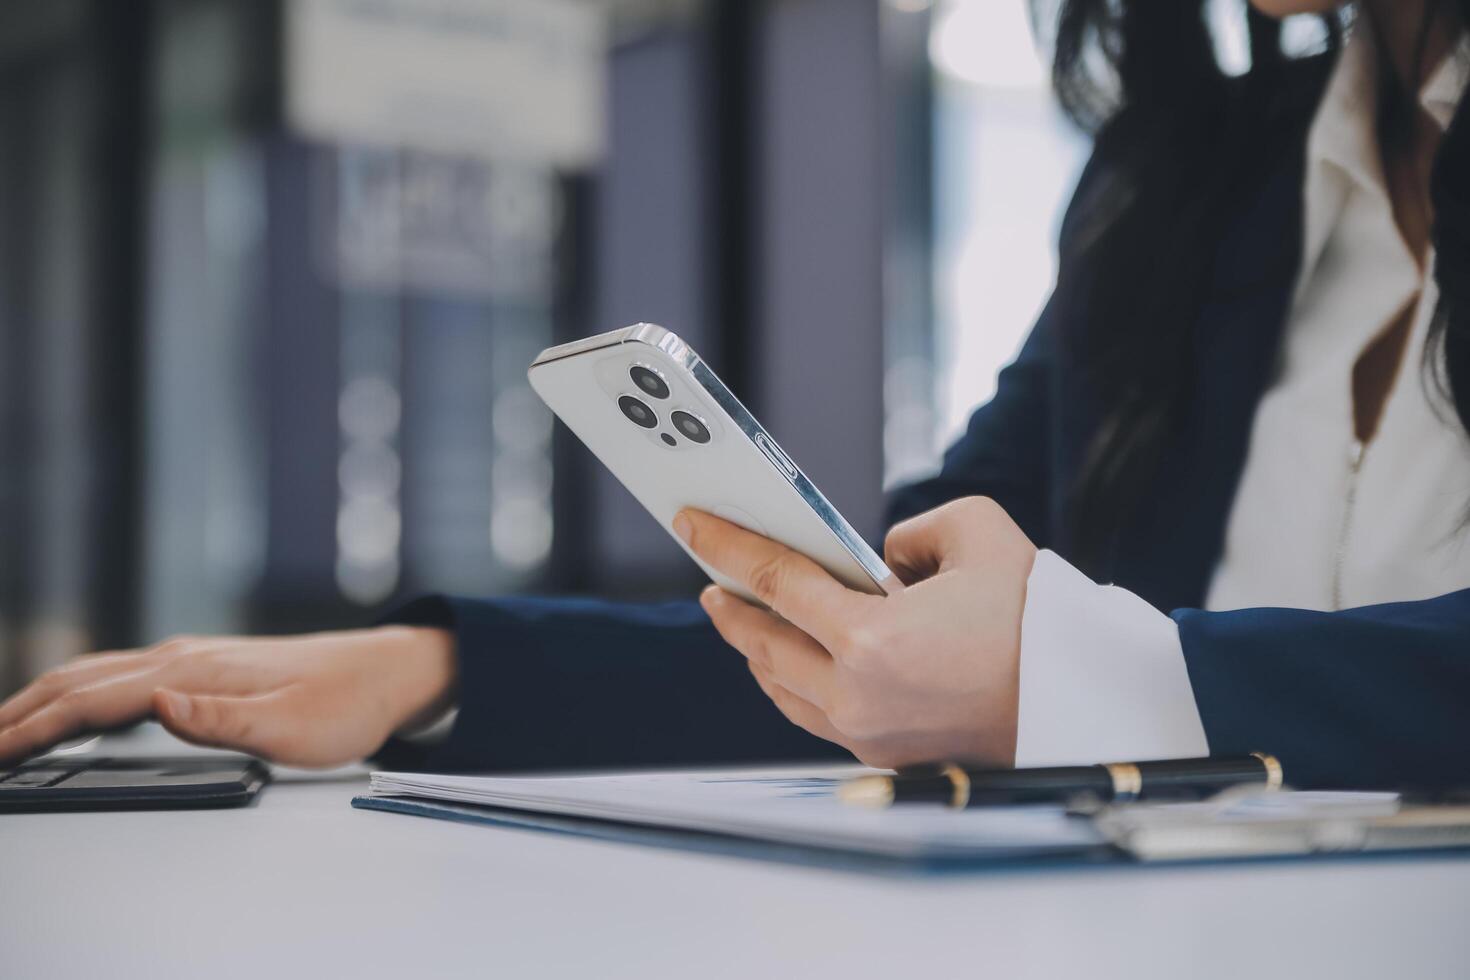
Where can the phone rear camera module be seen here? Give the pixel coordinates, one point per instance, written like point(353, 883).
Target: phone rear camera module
point(637, 412)
point(649, 381)
point(690, 427)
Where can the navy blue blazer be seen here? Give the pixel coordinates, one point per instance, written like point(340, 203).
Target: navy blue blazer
point(1376, 696)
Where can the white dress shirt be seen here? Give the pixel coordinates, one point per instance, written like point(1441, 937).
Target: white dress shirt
point(1319, 520)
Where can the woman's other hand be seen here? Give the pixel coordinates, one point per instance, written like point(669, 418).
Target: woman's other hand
point(928, 673)
point(317, 700)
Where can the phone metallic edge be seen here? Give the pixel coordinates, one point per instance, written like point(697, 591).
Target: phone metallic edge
point(879, 576)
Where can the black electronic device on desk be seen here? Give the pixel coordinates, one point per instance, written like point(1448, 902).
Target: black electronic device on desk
point(58, 784)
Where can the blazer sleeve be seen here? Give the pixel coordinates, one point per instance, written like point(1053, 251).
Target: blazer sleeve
point(1377, 696)
point(549, 683)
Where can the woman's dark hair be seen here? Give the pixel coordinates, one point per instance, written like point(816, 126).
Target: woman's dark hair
point(1193, 143)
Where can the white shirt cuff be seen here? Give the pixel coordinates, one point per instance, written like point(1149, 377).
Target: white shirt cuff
point(1102, 675)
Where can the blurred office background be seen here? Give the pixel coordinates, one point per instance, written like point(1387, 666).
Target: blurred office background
point(271, 274)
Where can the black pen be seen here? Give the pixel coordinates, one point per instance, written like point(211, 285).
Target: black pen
point(1113, 782)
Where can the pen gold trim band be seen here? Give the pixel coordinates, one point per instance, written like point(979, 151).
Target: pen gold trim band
point(1127, 781)
point(1116, 782)
point(873, 792)
point(1274, 775)
point(961, 781)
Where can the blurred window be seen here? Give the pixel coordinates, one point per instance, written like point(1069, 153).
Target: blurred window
point(1005, 161)
point(340, 315)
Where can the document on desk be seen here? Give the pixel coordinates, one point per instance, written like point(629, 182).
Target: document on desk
point(791, 806)
point(795, 808)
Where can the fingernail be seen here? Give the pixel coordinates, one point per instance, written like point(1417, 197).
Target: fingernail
point(179, 706)
point(682, 527)
point(710, 597)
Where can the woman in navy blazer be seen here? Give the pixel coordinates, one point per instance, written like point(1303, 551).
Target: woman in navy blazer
point(1378, 695)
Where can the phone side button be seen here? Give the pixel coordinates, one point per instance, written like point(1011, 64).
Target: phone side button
point(777, 457)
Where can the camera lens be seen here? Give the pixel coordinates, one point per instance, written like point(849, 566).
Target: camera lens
point(692, 429)
point(649, 381)
point(637, 412)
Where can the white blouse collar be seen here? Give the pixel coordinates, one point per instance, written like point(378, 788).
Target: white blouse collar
point(1342, 148)
point(1345, 131)
point(1441, 96)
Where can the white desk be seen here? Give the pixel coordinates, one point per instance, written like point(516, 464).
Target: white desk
point(302, 885)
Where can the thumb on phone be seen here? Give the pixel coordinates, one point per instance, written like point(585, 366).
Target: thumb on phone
point(961, 532)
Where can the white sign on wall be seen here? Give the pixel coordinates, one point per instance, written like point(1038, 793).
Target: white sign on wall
point(519, 80)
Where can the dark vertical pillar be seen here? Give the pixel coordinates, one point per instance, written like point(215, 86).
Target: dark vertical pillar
point(817, 365)
point(299, 365)
point(70, 226)
point(17, 182)
point(731, 128)
point(575, 258)
point(120, 36)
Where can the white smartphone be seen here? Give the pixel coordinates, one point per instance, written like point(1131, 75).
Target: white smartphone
point(674, 435)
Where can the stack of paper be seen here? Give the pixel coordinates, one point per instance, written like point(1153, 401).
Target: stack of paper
point(793, 806)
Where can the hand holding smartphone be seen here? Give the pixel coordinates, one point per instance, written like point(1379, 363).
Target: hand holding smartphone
point(671, 432)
